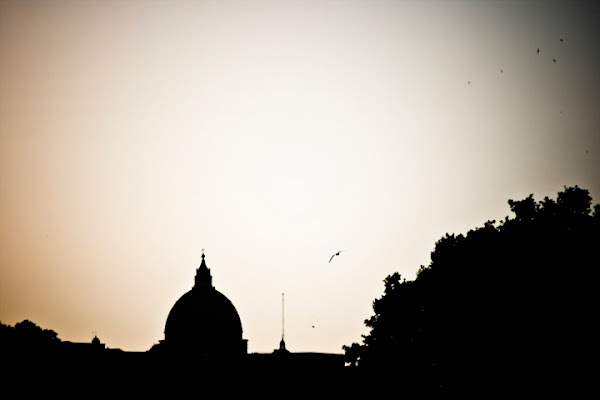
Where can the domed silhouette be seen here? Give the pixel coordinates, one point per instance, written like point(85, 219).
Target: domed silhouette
point(203, 322)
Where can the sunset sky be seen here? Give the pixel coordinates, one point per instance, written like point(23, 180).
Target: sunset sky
point(134, 134)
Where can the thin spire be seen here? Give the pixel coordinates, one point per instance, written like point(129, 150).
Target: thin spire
point(282, 343)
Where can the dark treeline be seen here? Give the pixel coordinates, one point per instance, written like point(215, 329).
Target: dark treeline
point(508, 305)
point(26, 337)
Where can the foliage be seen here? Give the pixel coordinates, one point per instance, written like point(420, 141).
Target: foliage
point(505, 297)
point(26, 336)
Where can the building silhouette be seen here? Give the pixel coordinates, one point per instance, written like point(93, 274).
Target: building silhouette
point(204, 323)
point(202, 340)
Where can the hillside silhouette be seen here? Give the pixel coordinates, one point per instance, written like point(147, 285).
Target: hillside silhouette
point(508, 305)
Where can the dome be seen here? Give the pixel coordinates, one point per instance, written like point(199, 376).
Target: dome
point(204, 321)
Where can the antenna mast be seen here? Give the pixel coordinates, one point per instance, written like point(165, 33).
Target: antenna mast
point(282, 343)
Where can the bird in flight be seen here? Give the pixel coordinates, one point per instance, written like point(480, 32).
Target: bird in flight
point(336, 254)
point(554, 59)
point(538, 51)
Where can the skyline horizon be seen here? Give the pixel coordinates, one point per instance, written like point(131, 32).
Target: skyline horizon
point(273, 134)
point(278, 344)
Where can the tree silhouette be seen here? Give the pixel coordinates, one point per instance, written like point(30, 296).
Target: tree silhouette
point(26, 338)
point(495, 306)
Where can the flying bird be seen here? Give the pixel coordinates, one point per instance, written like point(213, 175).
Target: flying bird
point(538, 51)
point(554, 59)
point(561, 39)
point(336, 254)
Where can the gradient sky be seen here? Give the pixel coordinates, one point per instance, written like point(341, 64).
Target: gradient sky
point(133, 134)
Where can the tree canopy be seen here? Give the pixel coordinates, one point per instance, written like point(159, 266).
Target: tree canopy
point(26, 335)
point(495, 305)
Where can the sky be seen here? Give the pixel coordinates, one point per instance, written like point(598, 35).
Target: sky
point(272, 134)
